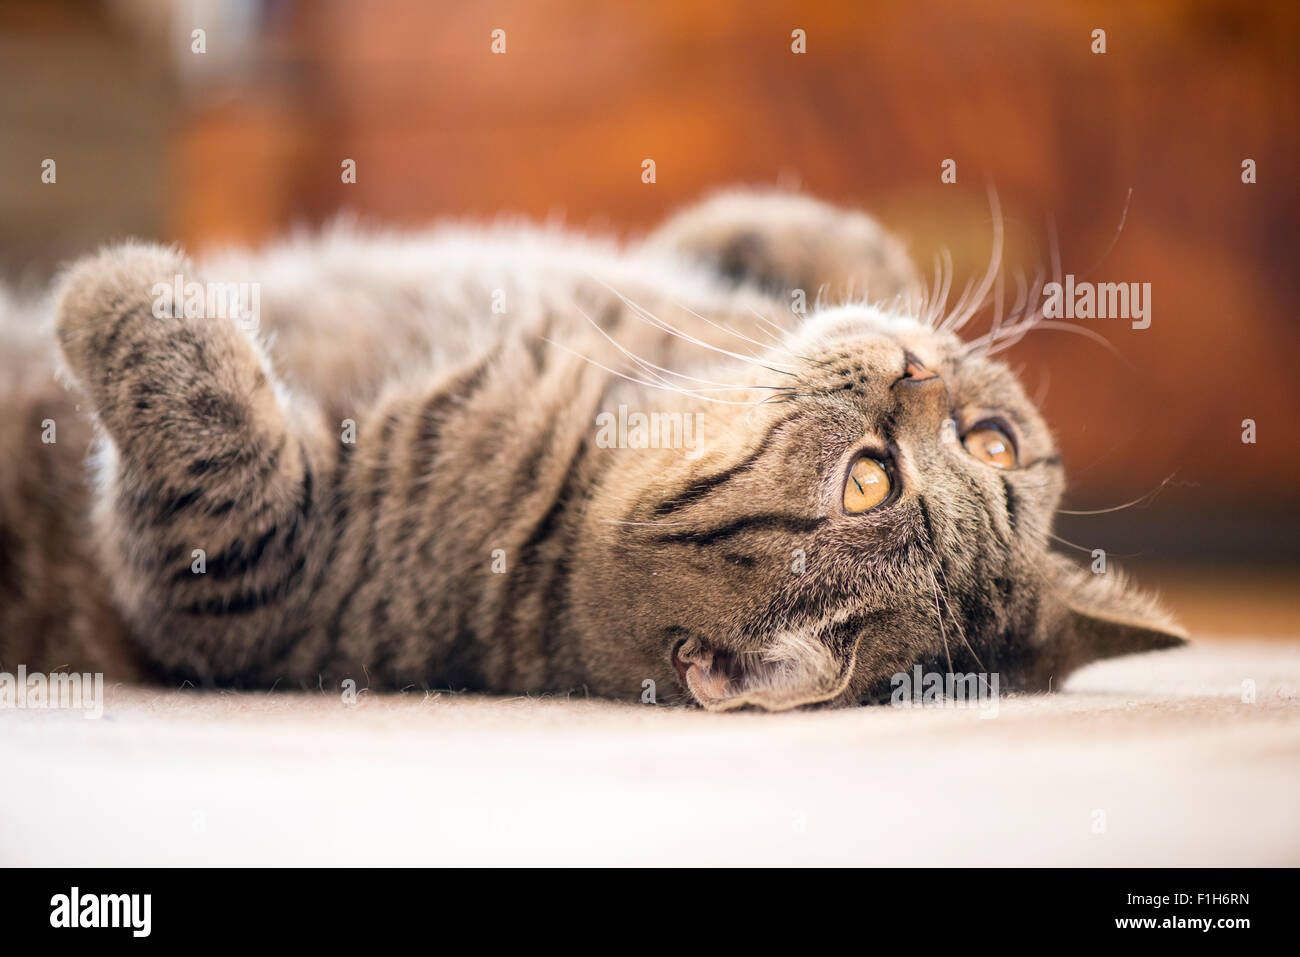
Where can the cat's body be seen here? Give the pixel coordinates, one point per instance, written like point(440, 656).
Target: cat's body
point(404, 483)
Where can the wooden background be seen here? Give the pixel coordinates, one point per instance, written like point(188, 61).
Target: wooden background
point(247, 141)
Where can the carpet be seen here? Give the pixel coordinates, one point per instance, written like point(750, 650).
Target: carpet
point(1187, 757)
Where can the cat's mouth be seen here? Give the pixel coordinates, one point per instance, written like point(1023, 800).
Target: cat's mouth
point(792, 672)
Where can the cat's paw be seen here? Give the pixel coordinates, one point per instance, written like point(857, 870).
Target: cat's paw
point(782, 241)
point(108, 300)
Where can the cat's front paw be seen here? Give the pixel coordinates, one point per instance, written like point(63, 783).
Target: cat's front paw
point(107, 302)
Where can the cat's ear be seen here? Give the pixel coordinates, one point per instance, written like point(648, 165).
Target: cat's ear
point(1088, 617)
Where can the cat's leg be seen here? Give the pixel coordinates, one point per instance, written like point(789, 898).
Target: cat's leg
point(782, 242)
point(209, 491)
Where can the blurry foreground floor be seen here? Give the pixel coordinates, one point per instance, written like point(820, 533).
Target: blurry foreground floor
point(1148, 760)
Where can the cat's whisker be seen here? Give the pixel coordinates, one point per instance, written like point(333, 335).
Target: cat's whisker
point(959, 318)
point(614, 521)
point(1057, 538)
point(738, 335)
point(782, 332)
point(941, 297)
point(1022, 294)
point(1054, 247)
point(653, 320)
point(775, 340)
point(1123, 217)
point(999, 301)
point(749, 388)
point(923, 303)
point(931, 295)
point(790, 396)
point(1044, 383)
point(1007, 335)
point(937, 294)
point(943, 635)
point(1052, 326)
point(658, 323)
point(1002, 337)
point(929, 546)
point(977, 345)
point(1119, 508)
point(689, 393)
point(1048, 533)
point(965, 294)
point(956, 619)
point(646, 364)
point(781, 338)
point(817, 302)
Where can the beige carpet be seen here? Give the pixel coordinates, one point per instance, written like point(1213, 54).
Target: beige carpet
point(1148, 760)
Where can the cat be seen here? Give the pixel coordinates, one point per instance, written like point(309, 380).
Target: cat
point(392, 471)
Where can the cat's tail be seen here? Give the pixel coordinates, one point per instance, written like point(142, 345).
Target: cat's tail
point(55, 612)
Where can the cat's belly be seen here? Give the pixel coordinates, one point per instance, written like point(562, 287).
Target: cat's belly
point(346, 316)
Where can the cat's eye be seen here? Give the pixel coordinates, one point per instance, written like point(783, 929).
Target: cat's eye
point(867, 487)
point(990, 444)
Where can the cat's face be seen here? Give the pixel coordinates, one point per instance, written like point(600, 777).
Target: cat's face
point(891, 507)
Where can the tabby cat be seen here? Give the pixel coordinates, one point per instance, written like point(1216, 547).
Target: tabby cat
point(426, 464)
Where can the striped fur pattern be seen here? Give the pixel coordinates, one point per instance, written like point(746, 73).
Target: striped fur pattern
point(400, 477)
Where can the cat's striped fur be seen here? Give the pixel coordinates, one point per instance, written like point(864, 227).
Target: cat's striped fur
point(396, 479)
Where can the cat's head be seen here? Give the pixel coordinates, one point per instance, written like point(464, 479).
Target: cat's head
point(890, 506)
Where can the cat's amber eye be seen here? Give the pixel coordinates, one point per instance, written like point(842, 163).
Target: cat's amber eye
point(992, 445)
point(867, 487)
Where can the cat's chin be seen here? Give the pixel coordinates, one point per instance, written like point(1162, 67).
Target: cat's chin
point(723, 680)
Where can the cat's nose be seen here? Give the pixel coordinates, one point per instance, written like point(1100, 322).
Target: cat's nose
point(915, 370)
point(922, 396)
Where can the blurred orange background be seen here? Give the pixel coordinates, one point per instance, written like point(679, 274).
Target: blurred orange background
point(245, 141)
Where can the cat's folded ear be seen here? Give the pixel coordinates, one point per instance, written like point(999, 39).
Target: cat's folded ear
point(1088, 617)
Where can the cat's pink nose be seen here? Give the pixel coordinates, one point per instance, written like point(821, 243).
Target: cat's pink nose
point(915, 370)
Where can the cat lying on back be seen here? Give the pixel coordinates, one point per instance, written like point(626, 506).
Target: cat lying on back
point(396, 477)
